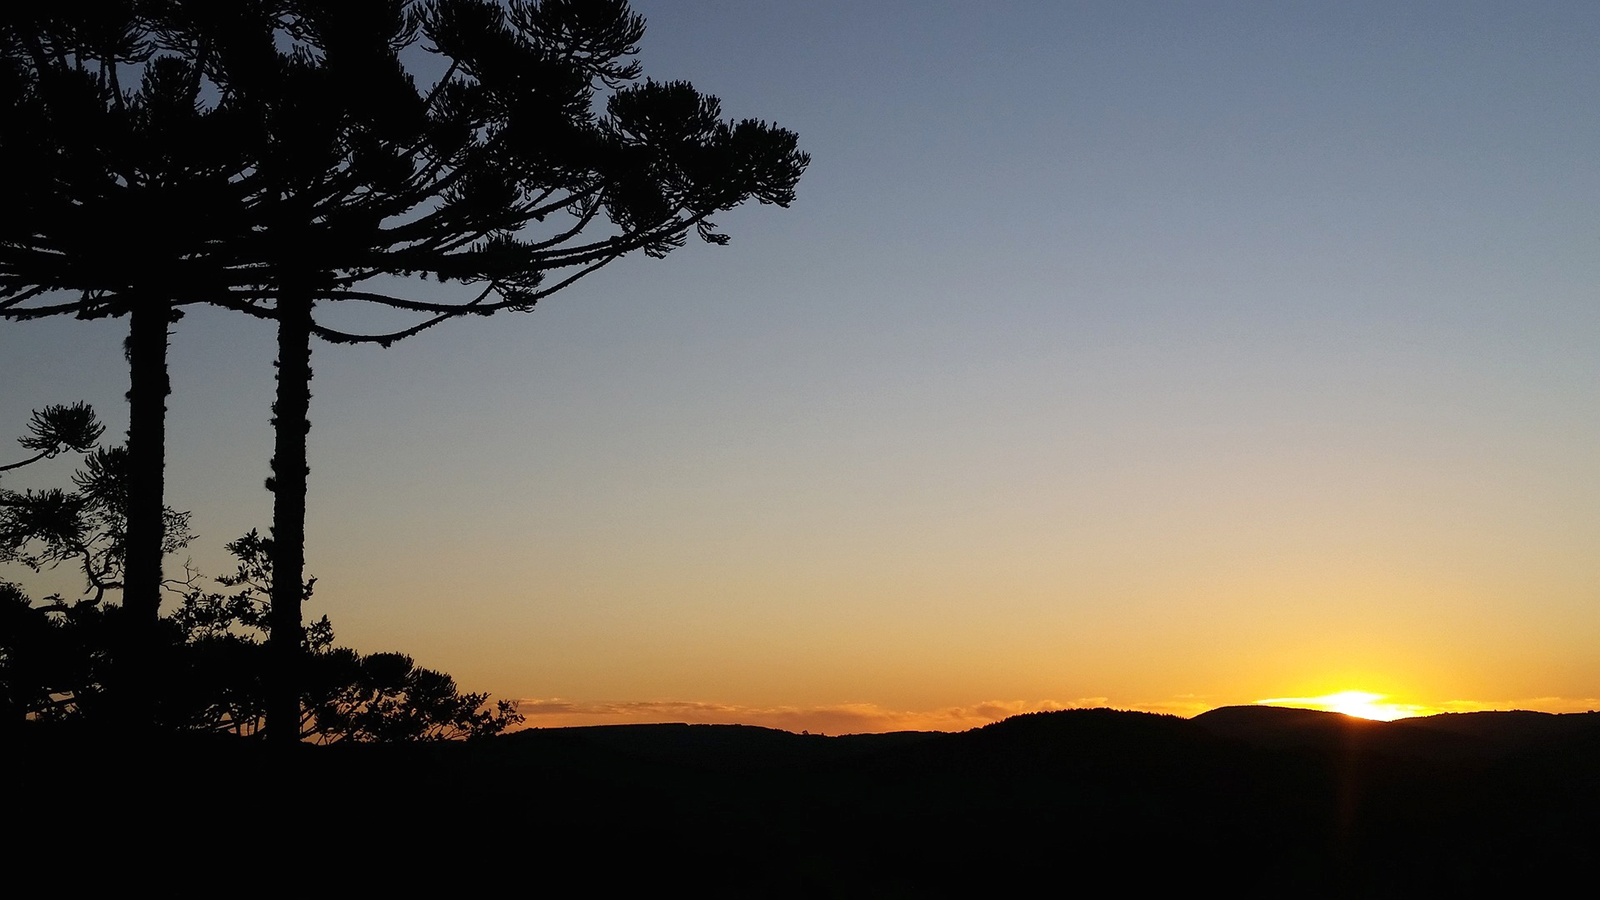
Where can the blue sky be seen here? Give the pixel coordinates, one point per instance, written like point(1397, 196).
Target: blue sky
point(1150, 353)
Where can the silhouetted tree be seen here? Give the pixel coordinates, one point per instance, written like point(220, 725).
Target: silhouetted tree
point(303, 162)
point(345, 696)
point(460, 182)
point(195, 167)
point(87, 527)
point(66, 657)
point(61, 660)
point(121, 208)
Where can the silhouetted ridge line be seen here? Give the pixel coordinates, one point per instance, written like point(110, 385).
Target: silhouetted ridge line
point(746, 747)
point(769, 812)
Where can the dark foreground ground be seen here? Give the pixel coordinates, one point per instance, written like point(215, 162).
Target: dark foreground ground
point(1241, 801)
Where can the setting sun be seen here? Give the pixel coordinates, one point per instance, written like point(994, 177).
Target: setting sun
point(1361, 704)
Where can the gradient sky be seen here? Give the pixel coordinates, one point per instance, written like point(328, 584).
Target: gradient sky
point(1157, 355)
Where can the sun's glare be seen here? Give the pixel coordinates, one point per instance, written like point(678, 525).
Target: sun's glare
point(1361, 704)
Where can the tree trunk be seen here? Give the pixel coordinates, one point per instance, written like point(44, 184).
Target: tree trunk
point(288, 485)
point(148, 388)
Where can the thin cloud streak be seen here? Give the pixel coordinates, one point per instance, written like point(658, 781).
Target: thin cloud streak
point(1540, 704)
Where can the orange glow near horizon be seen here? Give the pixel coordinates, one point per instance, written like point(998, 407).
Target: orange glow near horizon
point(1361, 704)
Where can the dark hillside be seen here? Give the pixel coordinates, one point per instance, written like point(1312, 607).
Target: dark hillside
point(1245, 801)
point(738, 747)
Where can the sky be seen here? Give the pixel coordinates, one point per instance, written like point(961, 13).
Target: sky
point(1151, 355)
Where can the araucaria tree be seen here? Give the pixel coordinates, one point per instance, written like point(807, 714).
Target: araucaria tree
point(506, 174)
point(122, 183)
point(501, 175)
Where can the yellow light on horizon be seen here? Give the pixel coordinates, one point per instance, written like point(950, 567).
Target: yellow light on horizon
point(1361, 704)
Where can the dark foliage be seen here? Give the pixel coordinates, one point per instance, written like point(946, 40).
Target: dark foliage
point(64, 661)
point(86, 527)
point(278, 153)
point(276, 147)
point(59, 664)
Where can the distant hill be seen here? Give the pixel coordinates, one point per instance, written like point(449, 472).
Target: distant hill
point(1449, 737)
point(1243, 801)
point(1512, 729)
point(742, 747)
